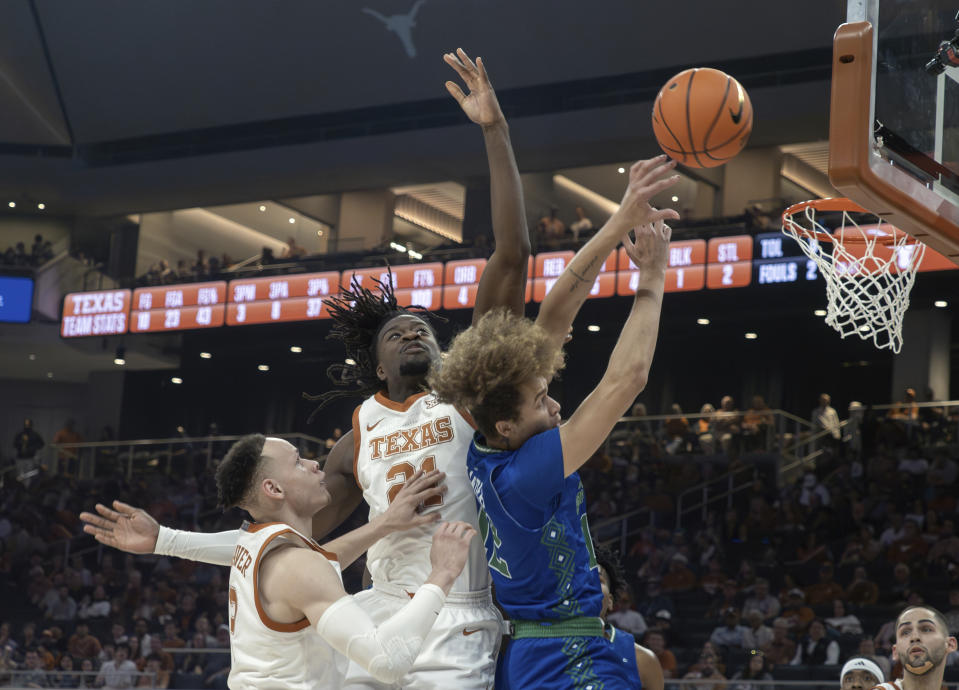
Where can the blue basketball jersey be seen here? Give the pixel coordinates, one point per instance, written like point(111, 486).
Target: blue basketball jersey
point(533, 522)
point(624, 645)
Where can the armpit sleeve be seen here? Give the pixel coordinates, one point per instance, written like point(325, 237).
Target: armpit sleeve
point(216, 548)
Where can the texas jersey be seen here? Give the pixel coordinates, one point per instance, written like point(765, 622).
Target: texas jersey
point(392, 441)
point(266, 654)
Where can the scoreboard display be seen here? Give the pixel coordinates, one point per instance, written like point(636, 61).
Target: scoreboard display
point(720, 263)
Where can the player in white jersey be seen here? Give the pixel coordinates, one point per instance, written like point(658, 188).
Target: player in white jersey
point(288, 610)
point(922, 646)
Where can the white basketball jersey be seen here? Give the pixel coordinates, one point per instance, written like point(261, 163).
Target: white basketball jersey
point(267, 654)
point(392, 441)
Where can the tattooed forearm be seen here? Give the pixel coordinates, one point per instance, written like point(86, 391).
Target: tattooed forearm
point(579, 277)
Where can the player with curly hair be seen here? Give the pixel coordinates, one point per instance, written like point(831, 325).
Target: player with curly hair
point(523, 461)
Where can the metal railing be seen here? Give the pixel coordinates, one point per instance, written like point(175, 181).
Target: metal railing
point(147, 454)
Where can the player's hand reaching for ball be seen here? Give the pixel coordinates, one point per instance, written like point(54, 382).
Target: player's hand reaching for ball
point(451, 543)
point(649, 249)
point(415, 504)
point(647, 179)
point(126, 528)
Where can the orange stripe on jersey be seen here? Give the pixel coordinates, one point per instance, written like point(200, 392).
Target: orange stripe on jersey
point(399, 407)
point(253, 527)
point(356, 444)
point(304, 622)
point(468, 417)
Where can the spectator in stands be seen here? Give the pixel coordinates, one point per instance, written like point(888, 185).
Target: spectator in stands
point(795, 611)
point(860, 674)
point(661, 622)
point(757, 633)
point(63, 608)
point(656, 643)
point(675, 430)
point(727, 425)
point(810, 488)
point(201, 268)
point(757, 421)
point(626, 617)
point(952, 613)
point(780, 650)
point(704, 429)
point(901, 586)
point(293, 250)
point(34, 675)
point(894, 530)
point(550, 229)
point(727, 598)
point(157, 678)
point(730, 635)
point(67, 457)
point(861, 548)
point(825, 418)
point(826, 590)
point(82, 644)
point(66, 676)
point(906, 411)
point(755, 669)
point(679, 578)
point(709, 666)
point(867, 650)
point(761, 600)
point(98, 607)
point(714, 577)
point(171, 636)
point(911, 548)
point(217, 667)
point(815, 649)
point(842, 621)
point(582, 225)
point(118, 672)
point(27, 442)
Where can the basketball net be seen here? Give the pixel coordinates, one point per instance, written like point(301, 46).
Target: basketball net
point(869, 268)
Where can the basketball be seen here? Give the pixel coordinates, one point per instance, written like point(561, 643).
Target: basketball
point(702, 117)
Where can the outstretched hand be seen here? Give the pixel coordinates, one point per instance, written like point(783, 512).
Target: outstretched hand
point(407, 509)
point(126, 528)
point(646, 180)
point(650, 248)
point(480, 104)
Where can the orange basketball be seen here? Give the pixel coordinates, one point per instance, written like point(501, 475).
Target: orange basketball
point(702, 117)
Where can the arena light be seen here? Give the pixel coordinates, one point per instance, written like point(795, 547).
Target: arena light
point(206, 355)
point(49, 374)
point(751, 336)
point(675, 198)
point(820, 312)
point(31, 357)
point(702, 322)
point(941, 303)
point(262, 208)
point(621, 170)
point(264, 367)
point(12, 204)
point(41, 206)
point(292, 220)
point(415, 255)
point(296, 349)
point(176, 380)
point(119, 361)
point(350, 361)
point(397, 247)
point(592, 328)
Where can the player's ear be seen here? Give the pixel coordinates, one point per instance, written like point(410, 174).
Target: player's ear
point(951, 644)
point(380, 372)
point(271, 488)
point(503, 428)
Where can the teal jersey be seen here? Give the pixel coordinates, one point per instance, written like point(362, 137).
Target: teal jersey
point(533, 522)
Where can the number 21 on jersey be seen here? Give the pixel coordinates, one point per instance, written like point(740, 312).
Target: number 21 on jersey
point(401, 472)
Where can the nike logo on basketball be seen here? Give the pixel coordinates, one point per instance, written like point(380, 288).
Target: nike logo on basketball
point(370, 427)
point(737, 116)
point(471, 632)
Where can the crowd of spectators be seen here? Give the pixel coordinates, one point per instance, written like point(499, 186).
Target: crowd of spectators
point(17, 255)
point(783, 577)
point(203, 268)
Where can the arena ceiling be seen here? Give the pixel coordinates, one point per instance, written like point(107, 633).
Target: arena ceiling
point(111, 106)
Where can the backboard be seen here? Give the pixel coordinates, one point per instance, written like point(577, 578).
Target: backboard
point(894, 124)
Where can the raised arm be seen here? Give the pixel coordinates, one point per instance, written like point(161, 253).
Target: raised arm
point(503, 283)
point(294, 582)
point(135, 531)
point(571, 289)
point(345, 495)
point(629, 364)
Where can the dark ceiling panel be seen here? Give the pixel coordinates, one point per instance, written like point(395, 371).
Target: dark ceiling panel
point(31, 112)
point(130, 69)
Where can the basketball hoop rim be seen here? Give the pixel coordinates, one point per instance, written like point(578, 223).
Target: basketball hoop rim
point(841, 204)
